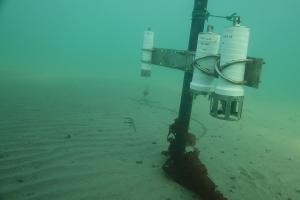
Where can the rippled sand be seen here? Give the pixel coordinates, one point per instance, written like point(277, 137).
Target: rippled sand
point(89, 139)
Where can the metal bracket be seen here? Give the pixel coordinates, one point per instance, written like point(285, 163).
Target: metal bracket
point(177, 59)
point(253, 72)
point(185, 60)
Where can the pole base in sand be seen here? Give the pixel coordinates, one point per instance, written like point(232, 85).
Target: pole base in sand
point(187, 169)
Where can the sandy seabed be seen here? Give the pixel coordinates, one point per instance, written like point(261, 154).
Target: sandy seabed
point(89, 139)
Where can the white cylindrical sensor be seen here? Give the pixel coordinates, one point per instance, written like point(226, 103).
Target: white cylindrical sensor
point(208, 44)
point(147, 53)
point(234, 46)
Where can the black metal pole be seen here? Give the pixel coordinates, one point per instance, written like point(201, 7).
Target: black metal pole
point(185, 167)
point(197, 26)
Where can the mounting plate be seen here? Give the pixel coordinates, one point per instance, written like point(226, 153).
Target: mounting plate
point(177, 59)
point(253, 72)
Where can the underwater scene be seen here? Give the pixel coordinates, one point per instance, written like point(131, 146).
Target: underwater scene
point(149, 100)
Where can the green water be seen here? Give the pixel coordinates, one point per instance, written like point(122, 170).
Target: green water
point(61, 58)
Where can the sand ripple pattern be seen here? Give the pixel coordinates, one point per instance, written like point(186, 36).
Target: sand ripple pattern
point(62, 158)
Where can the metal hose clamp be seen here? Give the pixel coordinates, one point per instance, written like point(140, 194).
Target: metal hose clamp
point(219, 70)
point(203, 69)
